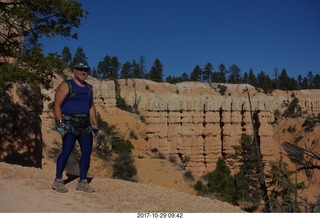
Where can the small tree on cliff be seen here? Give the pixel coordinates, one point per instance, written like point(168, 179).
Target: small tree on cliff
point(294, 108)
point(220, 183)
point(283, 191)
point(247, 177)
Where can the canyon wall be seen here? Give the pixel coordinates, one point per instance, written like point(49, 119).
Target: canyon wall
point(189, 121)
point(194, 120)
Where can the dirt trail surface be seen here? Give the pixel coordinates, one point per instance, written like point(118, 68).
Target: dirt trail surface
point(25, 189)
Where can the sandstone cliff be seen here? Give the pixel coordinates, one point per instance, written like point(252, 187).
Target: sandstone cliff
point(189, 119)
point(193, 119)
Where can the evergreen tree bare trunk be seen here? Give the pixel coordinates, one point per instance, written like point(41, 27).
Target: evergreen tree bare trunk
point(262, 182)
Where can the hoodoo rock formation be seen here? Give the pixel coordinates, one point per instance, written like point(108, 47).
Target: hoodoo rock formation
point(194, 123)
point(194, 120)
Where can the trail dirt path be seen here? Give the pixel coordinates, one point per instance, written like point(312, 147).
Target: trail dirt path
point(26, 189)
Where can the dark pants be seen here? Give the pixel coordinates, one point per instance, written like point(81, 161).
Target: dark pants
point(85, 141)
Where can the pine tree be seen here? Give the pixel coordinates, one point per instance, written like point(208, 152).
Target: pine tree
point(66, 55)
point(79, 56)
point(310, 79)
point(94, 73)
point(247, 177)
point(276, 79)
point(264, 82)
point(207, 72)
point(156, 72)
point(304, 84)
point(126, 70)
point(184, 77)
point(221, 183)
point(103, 67)
point(252, 78)
point(234, 74)
point(196, 73)
point(245, 79)
point(285, 82)
point(137, 71)
point(222, 74)
point(282, 190)
point(142, 65)
point(31, 22)
point(294, 109)
point(114, 67)
point(316, 81)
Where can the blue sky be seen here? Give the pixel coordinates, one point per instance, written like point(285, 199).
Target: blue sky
point(257, 34)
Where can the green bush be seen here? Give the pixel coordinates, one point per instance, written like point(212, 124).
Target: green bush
point(108, 142)
point(188, 175)
point(293, 110)
point(221, 183)
point(119, 145)
point(222, 89)
point(310, 123)
point(124, 168)
point(200, 187)
point(172, 158)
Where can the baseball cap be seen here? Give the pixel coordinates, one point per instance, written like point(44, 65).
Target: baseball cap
point(81, 65)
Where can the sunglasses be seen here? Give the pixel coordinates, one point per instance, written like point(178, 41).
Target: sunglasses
point(83, 69)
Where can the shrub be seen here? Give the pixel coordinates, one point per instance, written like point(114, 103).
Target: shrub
point(200, 187)
point(310, 123)
point(222, 89)
point(120, 102)
point(293, 110)
point(161, 156)
point(142, 118)
point(291, 129)
point(277, 114)
point(172, 158)
point(221, 183)
point(124, 168)
point(188, 175)
point(119, 145)
point(133, 135)
point(185, 160)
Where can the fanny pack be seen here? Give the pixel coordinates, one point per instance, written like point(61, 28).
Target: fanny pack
point(81, 121)
point(78, 131)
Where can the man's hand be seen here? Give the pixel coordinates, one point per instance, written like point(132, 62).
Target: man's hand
point(61, 128)
point(95, 131)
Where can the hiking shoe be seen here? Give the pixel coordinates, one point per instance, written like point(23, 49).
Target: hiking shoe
point(58, 185)
point(84, 186)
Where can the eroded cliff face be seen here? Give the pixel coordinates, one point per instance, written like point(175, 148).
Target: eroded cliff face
point(194, 120)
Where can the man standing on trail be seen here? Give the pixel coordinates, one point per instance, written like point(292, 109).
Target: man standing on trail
point(76, 120)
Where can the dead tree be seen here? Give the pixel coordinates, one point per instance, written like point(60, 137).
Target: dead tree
point(262, 182)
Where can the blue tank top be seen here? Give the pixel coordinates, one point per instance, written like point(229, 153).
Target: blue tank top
point(80, 100)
